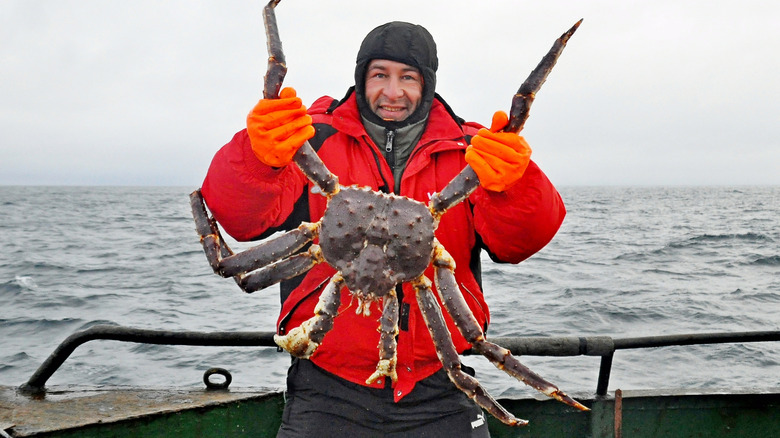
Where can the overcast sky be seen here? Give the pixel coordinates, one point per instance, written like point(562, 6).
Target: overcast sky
point(654, 92)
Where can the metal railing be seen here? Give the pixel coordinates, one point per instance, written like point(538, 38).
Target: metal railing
point(603, 346)
point(37, 383)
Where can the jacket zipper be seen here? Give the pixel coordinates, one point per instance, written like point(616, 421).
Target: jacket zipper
point(375, 151)
point(389, 155)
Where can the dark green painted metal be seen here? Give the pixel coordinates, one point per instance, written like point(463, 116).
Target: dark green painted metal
point(714, 416)
point(547, 418)
point(650, 415)
point(258, 417)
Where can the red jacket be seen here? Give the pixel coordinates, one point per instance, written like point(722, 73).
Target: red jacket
point(248, 198)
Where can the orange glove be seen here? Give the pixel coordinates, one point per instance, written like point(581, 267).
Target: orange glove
point(498, 158)
point(277, 128)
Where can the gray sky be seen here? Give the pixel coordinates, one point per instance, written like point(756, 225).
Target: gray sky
point(144, 92)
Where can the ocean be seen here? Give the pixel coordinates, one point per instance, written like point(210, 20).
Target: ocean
point(628, 261)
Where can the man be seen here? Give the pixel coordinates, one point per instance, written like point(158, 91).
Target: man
point(393, 133)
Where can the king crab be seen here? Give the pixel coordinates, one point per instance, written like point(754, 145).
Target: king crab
point(376, 241)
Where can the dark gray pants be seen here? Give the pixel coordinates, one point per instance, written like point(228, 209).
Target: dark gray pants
point(320, 404)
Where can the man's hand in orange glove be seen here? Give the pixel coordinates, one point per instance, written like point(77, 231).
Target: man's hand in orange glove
point(277, 128)
point(498, 158)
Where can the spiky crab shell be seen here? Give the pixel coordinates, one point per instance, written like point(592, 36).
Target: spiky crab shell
point(376, 240)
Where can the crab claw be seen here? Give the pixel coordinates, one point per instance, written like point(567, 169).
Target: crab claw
point(385, 368)
point(302, 341)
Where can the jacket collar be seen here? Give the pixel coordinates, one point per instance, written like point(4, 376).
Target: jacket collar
point(441, 125)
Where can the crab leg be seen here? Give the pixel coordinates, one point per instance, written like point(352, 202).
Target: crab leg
point(272, 249)
point(521, 103)
point(282, 270)
point(467, 181)
point(449, 357)
point(388, 327)
point(468, 326)
point(303, 340)
point(277, 67)
point(227, 264)
point(213, 244)
point(306, 157)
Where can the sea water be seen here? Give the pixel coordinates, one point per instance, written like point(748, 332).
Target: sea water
point(628, 261)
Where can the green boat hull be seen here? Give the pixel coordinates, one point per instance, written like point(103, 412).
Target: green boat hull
point(650, 414)
point(133, 412)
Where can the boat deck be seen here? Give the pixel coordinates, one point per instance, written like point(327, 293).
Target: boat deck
point(65, 410)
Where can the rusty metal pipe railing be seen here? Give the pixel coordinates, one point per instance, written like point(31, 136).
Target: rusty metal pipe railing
point(37, 383)
point(603, 346)
point(678, 340)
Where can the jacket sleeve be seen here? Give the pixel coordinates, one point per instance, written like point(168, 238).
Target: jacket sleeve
point(517, 223)
point(246, 196)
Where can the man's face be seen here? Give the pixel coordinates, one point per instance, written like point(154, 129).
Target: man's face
point(393, 89)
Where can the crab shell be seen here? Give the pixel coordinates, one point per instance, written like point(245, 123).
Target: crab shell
point(375, 241)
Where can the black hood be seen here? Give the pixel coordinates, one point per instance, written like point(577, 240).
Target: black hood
point(407, 43)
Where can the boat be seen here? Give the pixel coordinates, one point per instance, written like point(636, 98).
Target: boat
point(217, 410)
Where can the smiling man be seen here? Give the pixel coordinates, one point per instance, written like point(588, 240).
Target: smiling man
point(393, 89)
point(392, 133)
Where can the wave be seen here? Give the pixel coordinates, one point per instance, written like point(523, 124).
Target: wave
point(757, 297)
point(749, 237)
point(741, 238)
point(44, 266)
point(94, 322)
point(708, 242)
point(766, 261)
point(25, 327)
point(14, 361)
point(19, 284)
point(688, 272)
point(103, 268)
